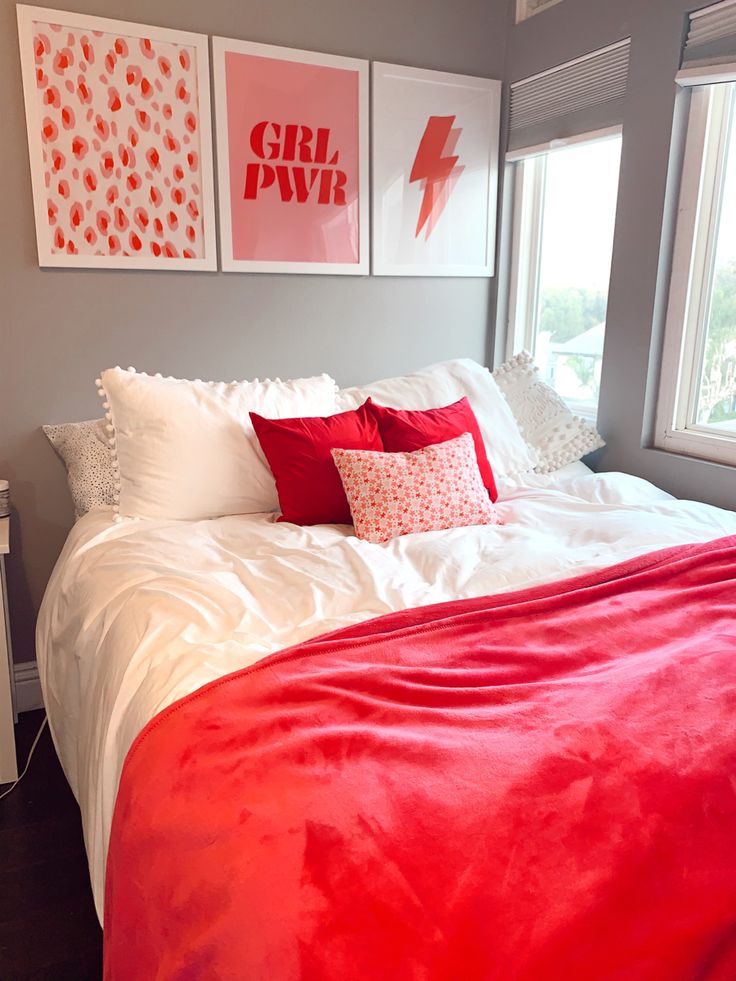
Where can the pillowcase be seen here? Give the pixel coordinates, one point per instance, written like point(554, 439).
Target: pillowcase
point(298, 451)
point(404, 430)
point(430, 489)
point(186, 449)
point(440, 384)
point(556, 435)
point(83, 449)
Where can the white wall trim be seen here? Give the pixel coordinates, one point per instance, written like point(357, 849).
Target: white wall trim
point(27, 687)
point(706, 75)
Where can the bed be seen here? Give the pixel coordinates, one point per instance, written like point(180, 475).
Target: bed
point(138, 615)
point(477, 752)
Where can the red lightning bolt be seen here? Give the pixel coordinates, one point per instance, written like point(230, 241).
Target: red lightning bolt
point(439, 173)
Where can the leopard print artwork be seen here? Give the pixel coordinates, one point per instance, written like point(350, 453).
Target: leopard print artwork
point(120, 138)
point(83, 448)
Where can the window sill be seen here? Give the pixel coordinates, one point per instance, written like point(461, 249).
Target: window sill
point(710, 447)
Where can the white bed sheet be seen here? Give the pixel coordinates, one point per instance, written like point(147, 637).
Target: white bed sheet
point(139, 614)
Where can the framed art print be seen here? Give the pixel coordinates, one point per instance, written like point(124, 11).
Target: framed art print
point(120, 142)
point(435, 172)
point(292, 159)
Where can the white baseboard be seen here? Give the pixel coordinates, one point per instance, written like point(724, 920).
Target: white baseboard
point(27, 687)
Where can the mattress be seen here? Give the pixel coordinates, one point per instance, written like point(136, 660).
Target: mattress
point(139, 614)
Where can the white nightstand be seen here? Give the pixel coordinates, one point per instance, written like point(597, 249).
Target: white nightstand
point(8, 766)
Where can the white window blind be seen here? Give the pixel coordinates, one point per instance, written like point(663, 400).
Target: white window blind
point(577, 97)
point(711, 44)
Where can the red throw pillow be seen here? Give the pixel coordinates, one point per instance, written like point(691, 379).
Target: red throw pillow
point(405, 430)
point(298, 452)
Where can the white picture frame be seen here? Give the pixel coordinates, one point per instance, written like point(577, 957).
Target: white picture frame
point(194, 208)
point(444, 225)
point(529, 8)
point(242, 257)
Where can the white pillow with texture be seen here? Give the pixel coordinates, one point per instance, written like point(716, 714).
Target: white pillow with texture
point(84, 452)
point(441, 384)
point(556, 435)
point(187, 450)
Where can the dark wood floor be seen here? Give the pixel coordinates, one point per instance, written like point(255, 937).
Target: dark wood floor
point(48, 926)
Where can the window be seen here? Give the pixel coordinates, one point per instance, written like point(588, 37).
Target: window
point(564, 215)
point(697, 402)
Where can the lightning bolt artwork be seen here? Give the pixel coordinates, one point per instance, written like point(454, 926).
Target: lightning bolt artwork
point(436, 165)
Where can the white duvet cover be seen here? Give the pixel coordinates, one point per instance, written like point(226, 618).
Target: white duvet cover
point(138, 614)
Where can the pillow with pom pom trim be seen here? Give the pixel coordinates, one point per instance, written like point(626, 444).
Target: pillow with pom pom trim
point(186, 450)
point(549, 427)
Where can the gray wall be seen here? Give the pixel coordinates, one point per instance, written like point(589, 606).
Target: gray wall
point(59, 328)
point(639, 280)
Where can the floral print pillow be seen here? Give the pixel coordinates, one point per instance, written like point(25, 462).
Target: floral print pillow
point(393, 494)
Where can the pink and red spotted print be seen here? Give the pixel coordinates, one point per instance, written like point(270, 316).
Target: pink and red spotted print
point(431, 489)
point(121, 148)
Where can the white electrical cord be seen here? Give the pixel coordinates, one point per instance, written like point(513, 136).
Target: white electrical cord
point(12, 787)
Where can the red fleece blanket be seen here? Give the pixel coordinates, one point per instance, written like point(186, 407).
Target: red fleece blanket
point(538, 785)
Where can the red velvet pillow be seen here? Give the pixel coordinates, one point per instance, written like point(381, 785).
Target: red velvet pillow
point(405, 430)
point(298, 452)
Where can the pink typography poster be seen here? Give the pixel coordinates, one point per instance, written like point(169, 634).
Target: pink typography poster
point(119, 136)
point(292, 158)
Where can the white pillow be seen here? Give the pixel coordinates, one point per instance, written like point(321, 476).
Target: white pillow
point(83, 449)
point(556, 435)
point(187, 449)
point(441, 384)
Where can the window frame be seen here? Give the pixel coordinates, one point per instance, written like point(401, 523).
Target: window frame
point(710, 119)
point(527, 228)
